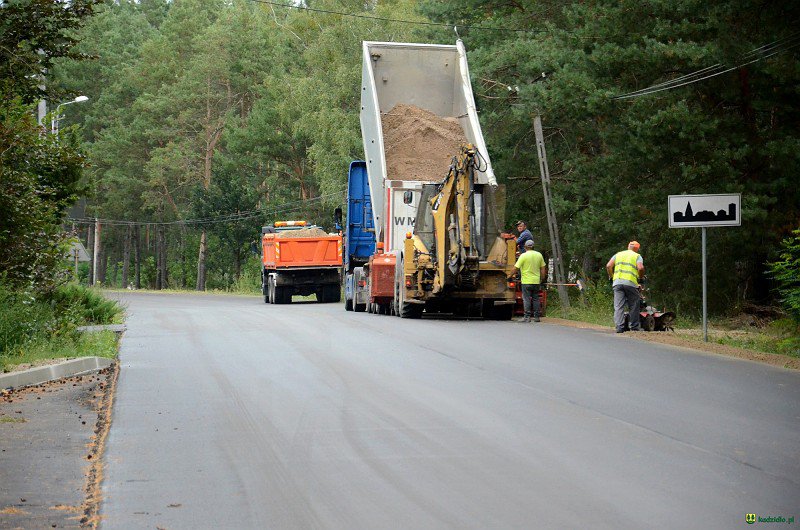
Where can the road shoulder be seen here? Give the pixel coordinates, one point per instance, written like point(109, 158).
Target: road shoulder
point(672, 339)
point(51, 441)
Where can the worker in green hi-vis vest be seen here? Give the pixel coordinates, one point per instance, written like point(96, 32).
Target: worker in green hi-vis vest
point(534, 272)
point(626, 268)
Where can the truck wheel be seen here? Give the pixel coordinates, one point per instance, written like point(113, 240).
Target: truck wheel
point(282, 295)
point(348, 304)
point(503, 312)
point(270, 291)
point(334, 293)
point(359, 308)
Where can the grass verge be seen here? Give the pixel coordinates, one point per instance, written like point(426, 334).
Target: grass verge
point(37, 327)
point(781, 337)
point(32, 353)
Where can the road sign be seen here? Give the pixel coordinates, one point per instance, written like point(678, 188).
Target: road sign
point(703, 211)
point(692, 211)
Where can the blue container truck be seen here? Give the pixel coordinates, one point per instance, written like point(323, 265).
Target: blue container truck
point(359, 237)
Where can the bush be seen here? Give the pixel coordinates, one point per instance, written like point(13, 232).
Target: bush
point(786, 272)
point(83, 305)
point(23, 318)
point(27, 317)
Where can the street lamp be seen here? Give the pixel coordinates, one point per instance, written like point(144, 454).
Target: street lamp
point(57, 115)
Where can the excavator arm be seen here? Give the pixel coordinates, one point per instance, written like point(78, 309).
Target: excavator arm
point(452, 209)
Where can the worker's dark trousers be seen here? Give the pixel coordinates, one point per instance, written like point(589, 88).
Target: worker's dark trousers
point(626, 294)
point(530, 297)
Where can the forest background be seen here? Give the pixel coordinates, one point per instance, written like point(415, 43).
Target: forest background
point(209, 118)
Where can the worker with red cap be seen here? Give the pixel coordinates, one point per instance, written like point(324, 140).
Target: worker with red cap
point(625, 269)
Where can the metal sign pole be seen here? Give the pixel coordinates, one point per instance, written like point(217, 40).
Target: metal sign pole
point(705, 300)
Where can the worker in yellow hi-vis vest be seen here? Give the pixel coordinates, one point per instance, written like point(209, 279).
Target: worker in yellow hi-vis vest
point(626, 268)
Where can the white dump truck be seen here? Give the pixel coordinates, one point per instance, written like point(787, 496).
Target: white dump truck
point(417, 111)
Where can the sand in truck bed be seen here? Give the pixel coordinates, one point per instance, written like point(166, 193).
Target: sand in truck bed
point(419, 144)
point(302, 233)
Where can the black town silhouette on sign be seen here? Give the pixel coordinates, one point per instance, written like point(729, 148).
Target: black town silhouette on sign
point(704, 215)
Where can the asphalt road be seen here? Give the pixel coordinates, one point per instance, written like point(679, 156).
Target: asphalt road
point(235, 414)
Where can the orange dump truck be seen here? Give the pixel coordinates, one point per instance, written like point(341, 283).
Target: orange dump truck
point(299, 259)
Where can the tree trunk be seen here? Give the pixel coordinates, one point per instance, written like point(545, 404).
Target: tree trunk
point(102, 266)
point(90, 247)
point(161, 243)
point(126, 256)
point(182, 248)
point(159, 278)
point(99, 271)
point(237, 265)
point(201, 264)
point(137, 249)
point(115, 270)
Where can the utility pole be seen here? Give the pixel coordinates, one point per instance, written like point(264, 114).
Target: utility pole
point(552, 225)
point(96, 253)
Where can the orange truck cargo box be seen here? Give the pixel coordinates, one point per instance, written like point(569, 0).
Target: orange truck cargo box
point(304, 252)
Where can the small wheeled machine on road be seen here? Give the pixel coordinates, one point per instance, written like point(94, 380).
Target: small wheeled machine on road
point(650, 318)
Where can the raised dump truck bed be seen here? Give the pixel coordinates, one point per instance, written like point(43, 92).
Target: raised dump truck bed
point(432, 77)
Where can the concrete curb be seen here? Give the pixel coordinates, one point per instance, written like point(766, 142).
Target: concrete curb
point(42, 374)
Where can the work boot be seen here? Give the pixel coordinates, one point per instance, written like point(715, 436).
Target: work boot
point(524, 319)
point(536, 319)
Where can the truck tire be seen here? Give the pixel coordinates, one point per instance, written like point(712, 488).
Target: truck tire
point(282, 295)
point(265, 287)
point(334, 293)
point(348, 304)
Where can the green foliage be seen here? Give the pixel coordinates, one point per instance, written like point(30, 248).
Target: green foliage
point(33, 33)
point(39, 178)
point(23, 318)
point(595, 304)
point(786, 272)
point(86, 305)
point(613, 162)
point(204, 107)
point(30, 320)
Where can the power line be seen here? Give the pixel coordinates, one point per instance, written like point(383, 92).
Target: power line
point(402, 21)
point(762, 52)
point(227, 218)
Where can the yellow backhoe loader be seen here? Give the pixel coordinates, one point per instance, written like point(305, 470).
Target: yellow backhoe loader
point(457, 260)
